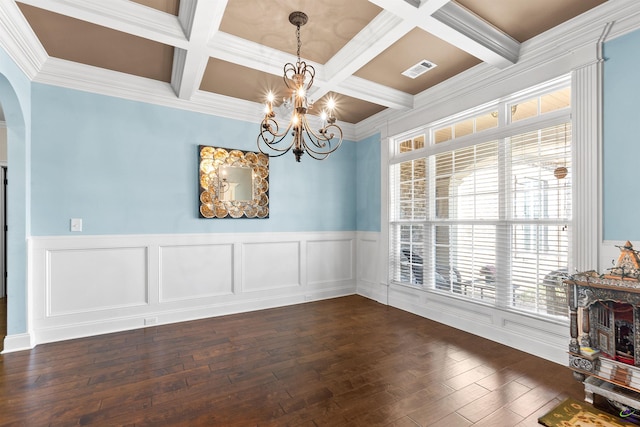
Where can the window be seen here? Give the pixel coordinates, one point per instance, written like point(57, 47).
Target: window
point(488, 216)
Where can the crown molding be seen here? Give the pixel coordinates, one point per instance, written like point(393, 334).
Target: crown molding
point(552, 54)
point(19, 41)
point(71, 75)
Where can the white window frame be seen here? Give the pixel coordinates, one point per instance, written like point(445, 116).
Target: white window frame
point(504, 130)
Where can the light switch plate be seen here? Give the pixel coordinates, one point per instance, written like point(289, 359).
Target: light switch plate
point(76, 224)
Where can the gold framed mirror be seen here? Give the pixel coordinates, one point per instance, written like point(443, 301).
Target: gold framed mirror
point(233, 183)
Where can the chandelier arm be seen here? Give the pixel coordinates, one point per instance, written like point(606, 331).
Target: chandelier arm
point(317, 156)
point(322, 139)
point(307, 69)
point(271, 139)
point(268, 123)
point(318, 146)
point(289, 71)
point(282, 152)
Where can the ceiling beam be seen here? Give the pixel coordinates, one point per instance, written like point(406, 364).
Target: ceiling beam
point(459, 27)
point(256, 56)
point(121, 15)
point(383, 31)
point(200, 19)
point(376, 93)
point(482, 39)
point(396, 20)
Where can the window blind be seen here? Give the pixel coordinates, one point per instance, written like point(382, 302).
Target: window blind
point(489, 222)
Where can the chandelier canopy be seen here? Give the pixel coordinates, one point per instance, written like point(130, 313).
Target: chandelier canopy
point(298, 79)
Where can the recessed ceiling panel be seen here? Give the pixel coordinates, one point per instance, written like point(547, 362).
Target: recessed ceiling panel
point(332, 23)
point(168, 6)
point(225, 78)
point(416, 46)
point(524, 19)
point(348, 109)
point(80, 41)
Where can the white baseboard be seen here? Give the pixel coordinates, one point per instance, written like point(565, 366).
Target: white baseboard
point(18, 342)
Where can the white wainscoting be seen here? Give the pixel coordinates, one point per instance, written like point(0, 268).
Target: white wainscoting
point(372, 263)
point(545, 338)
point(88, 285)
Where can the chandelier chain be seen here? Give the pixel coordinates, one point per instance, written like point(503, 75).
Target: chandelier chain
point(299, 42)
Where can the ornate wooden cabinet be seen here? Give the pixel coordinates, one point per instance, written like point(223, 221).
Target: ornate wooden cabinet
point(604, 351)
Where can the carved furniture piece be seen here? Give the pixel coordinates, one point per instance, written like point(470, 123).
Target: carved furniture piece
point(604, 351)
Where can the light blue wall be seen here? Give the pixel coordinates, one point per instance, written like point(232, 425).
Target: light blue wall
point(127, 167)
point(621, 138)
point(368, 177)
point(15, 97)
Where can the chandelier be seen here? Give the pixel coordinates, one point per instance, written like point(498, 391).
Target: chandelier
point(299, 78)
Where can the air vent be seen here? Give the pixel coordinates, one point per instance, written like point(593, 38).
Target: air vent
point(419, 69)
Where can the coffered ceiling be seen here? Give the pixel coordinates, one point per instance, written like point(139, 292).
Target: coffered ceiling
point(237, 48)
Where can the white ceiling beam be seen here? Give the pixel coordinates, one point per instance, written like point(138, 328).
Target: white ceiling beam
point(481, 38)
point(408, 8)
point(458, 27)
point(376, 93)
point(234, 49)
point(200, 19)
point(397, 19)
point(121, 15)
point(383, 31)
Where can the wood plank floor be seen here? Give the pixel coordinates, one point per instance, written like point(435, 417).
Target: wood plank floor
point(342, 362)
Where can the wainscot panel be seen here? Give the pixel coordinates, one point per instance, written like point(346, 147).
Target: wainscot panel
point(88, 285)
point(272, 265)
point(91, 279)
point(371, 267)
point(195, 271)
point(329, 261)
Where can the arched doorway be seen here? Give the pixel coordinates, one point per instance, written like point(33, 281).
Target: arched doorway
point(17, 207)
point(3, 216)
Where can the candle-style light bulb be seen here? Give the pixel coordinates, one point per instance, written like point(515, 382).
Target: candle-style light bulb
point(268, 108)
point(331, 104)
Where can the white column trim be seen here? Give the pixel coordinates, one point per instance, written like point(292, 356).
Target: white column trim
point(587, 160)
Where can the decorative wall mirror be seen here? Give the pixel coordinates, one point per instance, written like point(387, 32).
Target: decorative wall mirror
point(233, 183)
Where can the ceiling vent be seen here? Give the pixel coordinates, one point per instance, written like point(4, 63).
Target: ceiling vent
point(419, 69)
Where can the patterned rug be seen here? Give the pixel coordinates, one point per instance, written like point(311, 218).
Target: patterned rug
point(572, 413)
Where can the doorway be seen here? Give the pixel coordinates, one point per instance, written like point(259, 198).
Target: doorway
point(3, 255)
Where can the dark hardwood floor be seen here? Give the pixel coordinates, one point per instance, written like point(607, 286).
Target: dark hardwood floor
point(342, 362)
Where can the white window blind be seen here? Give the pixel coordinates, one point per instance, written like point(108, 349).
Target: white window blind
point(489, 222)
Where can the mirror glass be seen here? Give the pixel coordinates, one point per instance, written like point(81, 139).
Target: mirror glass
point(236, 183)
point(233, 183)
